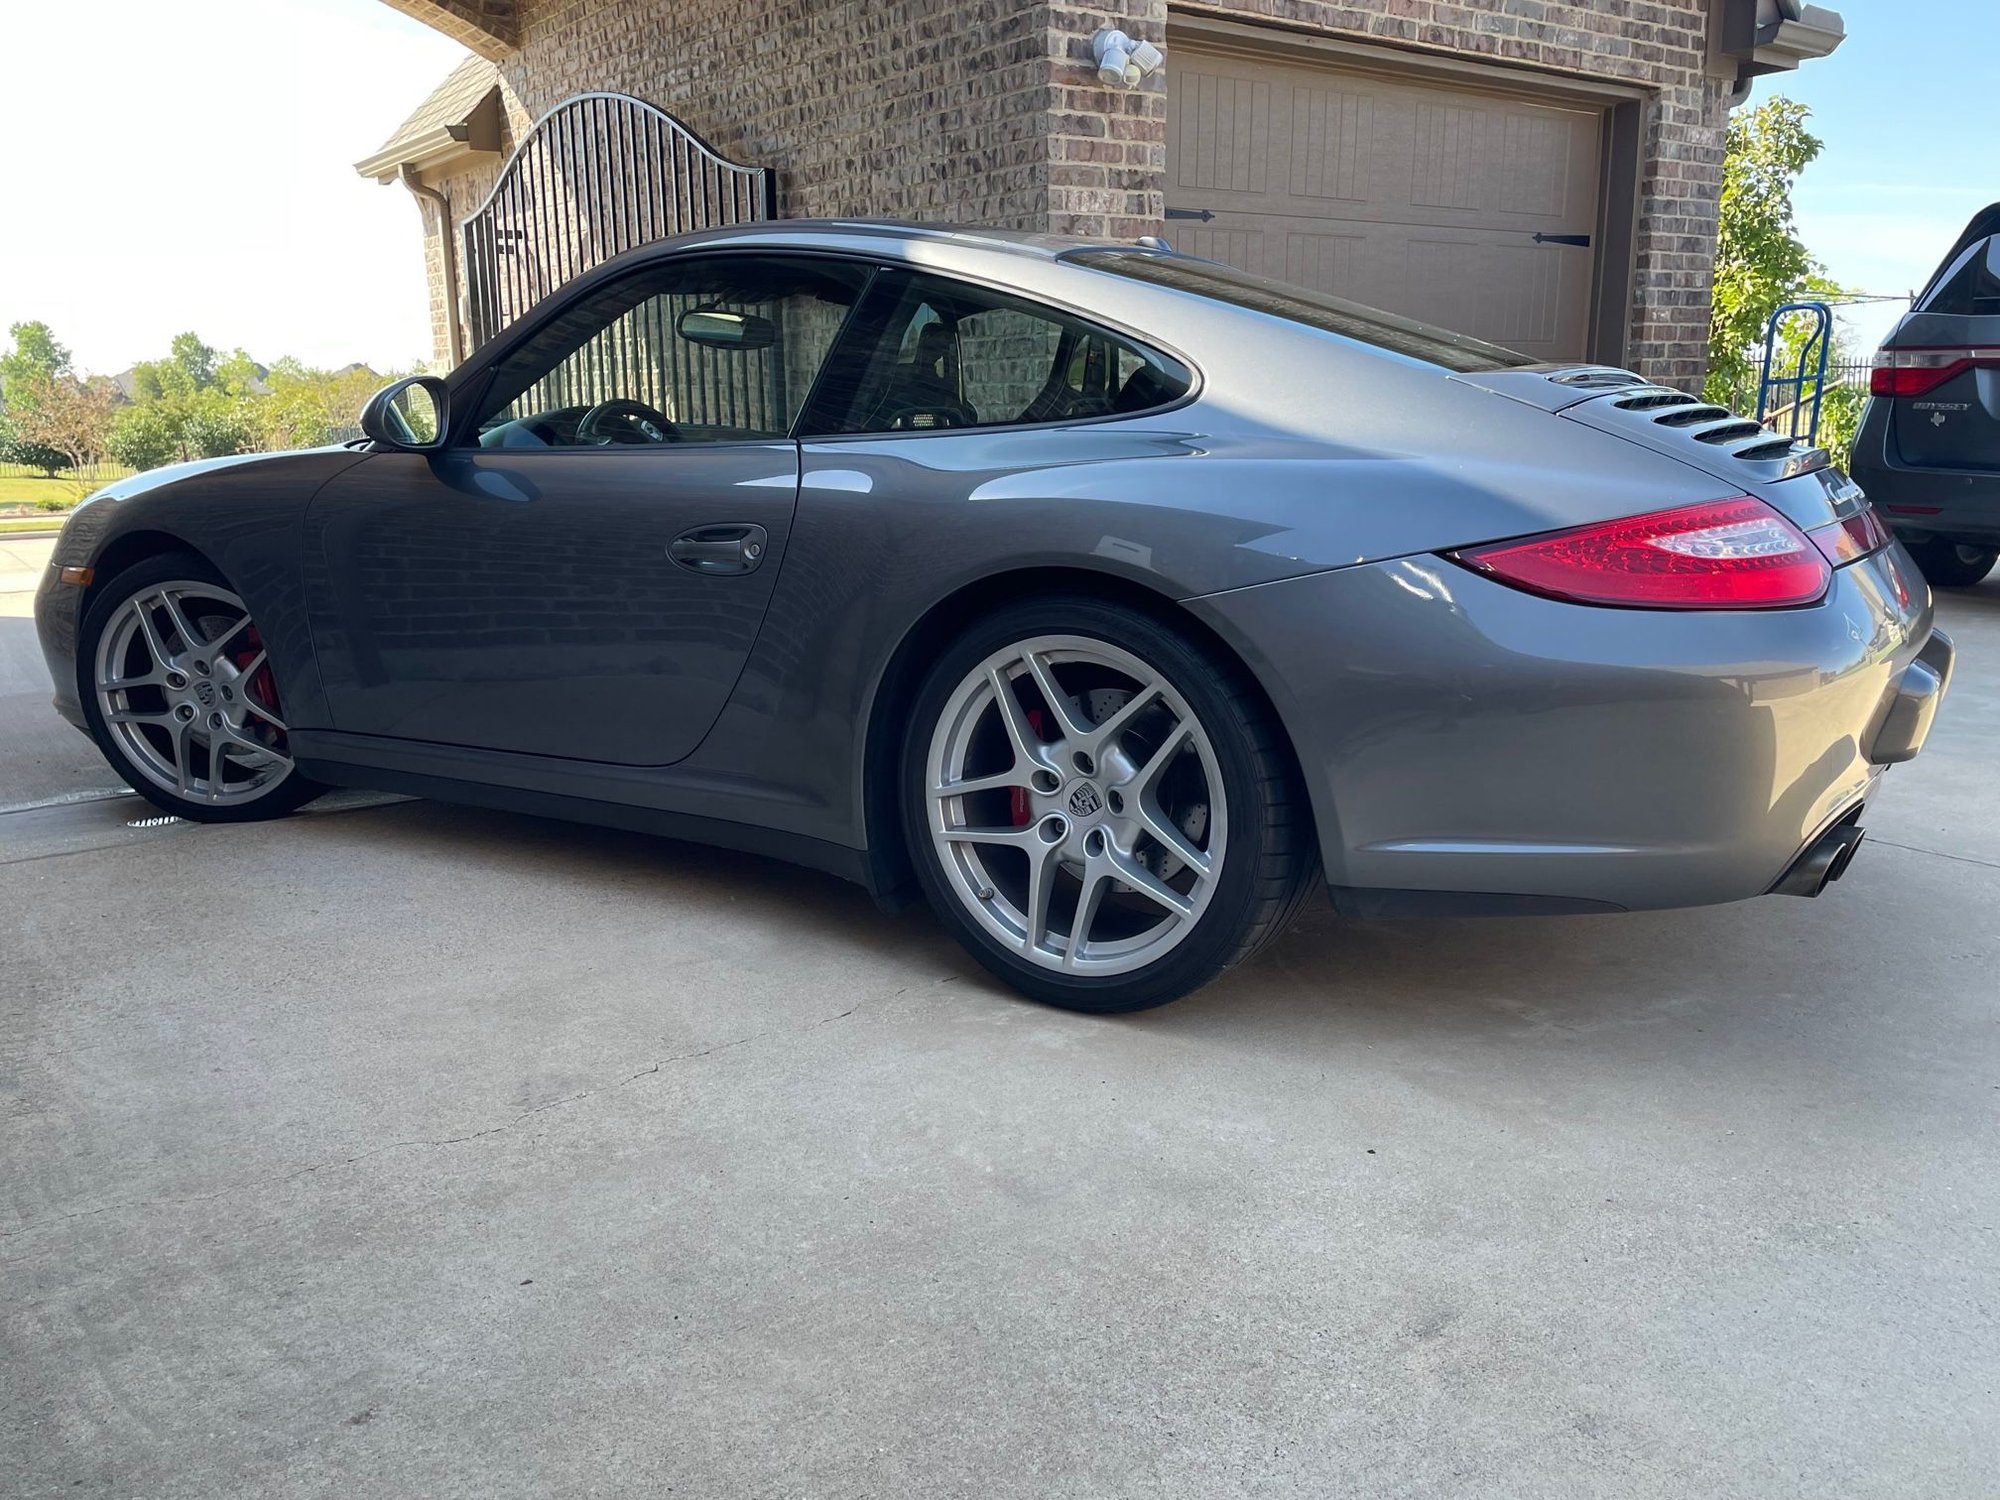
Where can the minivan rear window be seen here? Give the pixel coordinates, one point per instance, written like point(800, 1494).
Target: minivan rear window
point(1297, 304)
point(1971, 287)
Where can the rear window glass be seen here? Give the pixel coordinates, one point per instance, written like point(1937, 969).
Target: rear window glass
point(1296, 304)
point(1971, 287)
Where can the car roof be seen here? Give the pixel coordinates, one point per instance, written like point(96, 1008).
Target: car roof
point(846, 232)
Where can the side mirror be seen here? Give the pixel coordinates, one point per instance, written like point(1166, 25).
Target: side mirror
point(411, 416)
point(718, 328)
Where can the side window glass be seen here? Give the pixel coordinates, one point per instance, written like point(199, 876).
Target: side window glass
point(1971, 289)
point(718, 350)
point(930, 354)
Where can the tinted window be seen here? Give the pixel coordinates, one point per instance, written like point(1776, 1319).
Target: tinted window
point(929, 353)
point(1296, 304)
point(1971, 287)
point(723, 349)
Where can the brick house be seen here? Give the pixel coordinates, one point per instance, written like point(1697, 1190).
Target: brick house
point(1541, 173)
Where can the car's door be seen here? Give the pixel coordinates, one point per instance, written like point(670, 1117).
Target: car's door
point(586, 575)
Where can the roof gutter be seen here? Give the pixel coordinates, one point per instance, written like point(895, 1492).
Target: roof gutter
point(1790, 40)
point(438, 144)
point(407, 173)
point(1751, 39)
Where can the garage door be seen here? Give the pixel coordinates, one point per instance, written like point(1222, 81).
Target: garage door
point(1469, 210)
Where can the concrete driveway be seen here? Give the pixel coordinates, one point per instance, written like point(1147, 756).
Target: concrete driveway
point(406, 1150)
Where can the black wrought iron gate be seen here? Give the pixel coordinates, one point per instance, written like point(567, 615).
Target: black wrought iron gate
point(598, 175)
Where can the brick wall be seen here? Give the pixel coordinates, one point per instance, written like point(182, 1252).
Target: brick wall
point(914, 108)
point(988, 111)
point(465, 189)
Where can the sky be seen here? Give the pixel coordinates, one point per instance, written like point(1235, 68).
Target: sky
point(189, 165)
point(1906, 110)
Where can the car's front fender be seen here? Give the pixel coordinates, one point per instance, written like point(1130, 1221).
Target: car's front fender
point(242, 514)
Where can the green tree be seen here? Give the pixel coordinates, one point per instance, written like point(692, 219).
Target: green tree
point(307, 407)
point(35, 354)
point(188, 369)
point(15, 449)
point(177, 429)
point(240, 375)
point(192, 404)
point(145, 436)
point(30, 371)
point(1760, 261)
point(62, 412)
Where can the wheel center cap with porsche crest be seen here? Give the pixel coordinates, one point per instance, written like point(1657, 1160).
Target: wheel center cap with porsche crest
point(1084, 801)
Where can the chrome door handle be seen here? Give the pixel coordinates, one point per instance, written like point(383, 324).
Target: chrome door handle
point(731, 548)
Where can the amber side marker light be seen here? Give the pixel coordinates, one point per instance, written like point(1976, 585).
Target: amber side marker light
point(80, 577)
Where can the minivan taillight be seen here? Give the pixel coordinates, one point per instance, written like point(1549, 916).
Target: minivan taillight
point(1722, 554)
point(1918, 372)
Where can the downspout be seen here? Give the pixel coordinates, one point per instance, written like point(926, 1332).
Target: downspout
point(447, 247)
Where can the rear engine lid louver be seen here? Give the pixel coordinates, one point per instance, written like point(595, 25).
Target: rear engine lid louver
point(1671, 418)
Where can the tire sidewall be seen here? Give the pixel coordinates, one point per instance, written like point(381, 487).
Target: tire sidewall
point(1943, 566)
point(289, 794)
point(1195, 675)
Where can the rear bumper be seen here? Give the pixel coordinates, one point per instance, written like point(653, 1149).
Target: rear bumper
point(1472, 748)
point(1955, 505)
point(1906, 723)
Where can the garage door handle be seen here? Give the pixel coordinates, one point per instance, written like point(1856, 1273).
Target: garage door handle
point(1203, 214)
point(1581, 240)
point(719, 549)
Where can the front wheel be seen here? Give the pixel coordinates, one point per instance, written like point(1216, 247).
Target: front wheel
point(1100, 808)
point(1949, 565)
point(180, 695)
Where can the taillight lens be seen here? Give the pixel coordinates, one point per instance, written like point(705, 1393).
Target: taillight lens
point(1918, 372)
point(1724, 554)
point(1848, 541)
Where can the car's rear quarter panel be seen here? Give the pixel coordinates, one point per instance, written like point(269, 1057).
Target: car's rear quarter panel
point(1459, 735)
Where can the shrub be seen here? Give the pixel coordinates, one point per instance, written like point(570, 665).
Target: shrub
point(16, 450)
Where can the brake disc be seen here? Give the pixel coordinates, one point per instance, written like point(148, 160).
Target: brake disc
point(1192, 818)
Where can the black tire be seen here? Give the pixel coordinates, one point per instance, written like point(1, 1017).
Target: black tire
point(1950, 565)
point(285, 794)
point(1271, 860)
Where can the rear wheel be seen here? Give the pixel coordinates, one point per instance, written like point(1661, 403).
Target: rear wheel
point(1952, 566)
point(1099, 808)
point(181, 697)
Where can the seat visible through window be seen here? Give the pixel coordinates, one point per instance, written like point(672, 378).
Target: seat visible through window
point(949, 355)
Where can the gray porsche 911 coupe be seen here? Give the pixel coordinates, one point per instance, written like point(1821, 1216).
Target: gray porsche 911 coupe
point(1102, 594)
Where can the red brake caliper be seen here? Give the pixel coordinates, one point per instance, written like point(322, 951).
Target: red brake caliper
point(1023, 813)
point(260, 686)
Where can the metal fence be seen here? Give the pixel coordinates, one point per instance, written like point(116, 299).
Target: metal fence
point(1852, 374)
point(638, 357)
point(598, 175)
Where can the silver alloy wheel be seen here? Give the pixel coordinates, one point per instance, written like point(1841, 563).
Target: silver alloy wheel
point(184, 685)
point(1076, 806)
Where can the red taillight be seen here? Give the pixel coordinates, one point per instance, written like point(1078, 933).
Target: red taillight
point(1725, 554)
point(1918, 372)
point(1846, 541)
